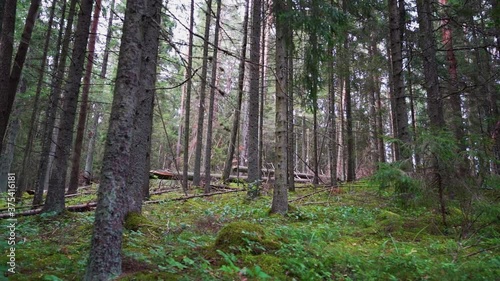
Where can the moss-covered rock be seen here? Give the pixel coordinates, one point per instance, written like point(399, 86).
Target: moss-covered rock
point(389, 221)
point(241, 236)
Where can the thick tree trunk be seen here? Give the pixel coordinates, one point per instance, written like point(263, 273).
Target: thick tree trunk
point(290, 91)
point(213, 86)
point(55, 197)
point(203, 87)
point(6, 50)
point(254, 171)
point(105, 260)
point(49, 130)
point(138, 183)
point(237, 112)
point(84, 103)
point(332, 128)
point(396, 25)
point(280, 190)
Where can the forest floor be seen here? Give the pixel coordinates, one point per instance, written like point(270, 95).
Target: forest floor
point(355, 232)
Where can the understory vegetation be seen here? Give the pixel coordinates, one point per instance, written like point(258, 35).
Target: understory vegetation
point(358, 231)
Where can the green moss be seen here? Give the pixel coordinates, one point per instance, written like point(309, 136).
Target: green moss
point(270, 264)
point(134, 221)
point(240, 235)
point(389, 221)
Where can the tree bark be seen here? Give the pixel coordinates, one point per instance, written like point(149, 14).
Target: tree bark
point(280, 190)
point(332, 129)
point(105, 260)
point(213, 86)
point(396, 24)
point(84, 103)
point(254, 171)
point(203, 87)
point(6, 51)
point(55, 197)
point(187, 112)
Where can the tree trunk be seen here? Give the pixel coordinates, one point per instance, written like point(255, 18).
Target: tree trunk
point(237, 112)
point(41, 182)
point(396, 24)
point(332, 128)
point(290, 91)
point(254, 171)
point(6, 50)
point(105, 260)
point(201, 108)
point(8, 152)
point(280, 190)
point(187, 111)
point(88, 174)
point(213, 86)
point(453, 92)
point(84, 104)
point(434, 101)
point(55, 197)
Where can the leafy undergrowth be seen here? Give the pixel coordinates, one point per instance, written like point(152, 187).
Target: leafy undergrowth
point(351, 233)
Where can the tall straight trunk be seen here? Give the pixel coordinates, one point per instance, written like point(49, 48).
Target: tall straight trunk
point(89, 159)
point(263, 77)
point(203, 88)
point(213, 86)
point(84, 103)
point(140, 155)
point(239, 99)
point(453, 94)
point(305, 144)
point(373, 86)
point(88, 174)
point(41, 182)
point(105, 261)
point(434, 101)
point(332, 128)
point(351, 160)
point(280, 190)
point(8, 152)
point(34, 115)
point(396, 25)
point(290, 132)
point(254, 170)
point(187, 111)
point(380, 127)
point(55, 197)
point(412, 106)
point(6, 51)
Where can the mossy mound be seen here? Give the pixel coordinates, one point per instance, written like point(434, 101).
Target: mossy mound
point(242, 236)
point(389, 221)
point(269, 264)
point(134, 221)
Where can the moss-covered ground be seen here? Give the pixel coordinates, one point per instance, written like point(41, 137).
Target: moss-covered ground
point(353, 233)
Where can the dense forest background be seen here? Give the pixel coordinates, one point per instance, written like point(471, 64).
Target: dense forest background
point(280, 92)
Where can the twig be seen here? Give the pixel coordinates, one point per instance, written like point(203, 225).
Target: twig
point(311, 194)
